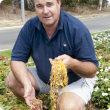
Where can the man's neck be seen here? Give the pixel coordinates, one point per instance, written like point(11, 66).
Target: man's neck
point(51, 29)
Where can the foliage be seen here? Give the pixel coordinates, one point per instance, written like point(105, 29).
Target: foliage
point(7, 1)
point(73, 3)
point(84, 1)
point(94, 2)
point(6, 53)
point(101, 94)
point(29, 4)
point(7, 99)
point(70, 3)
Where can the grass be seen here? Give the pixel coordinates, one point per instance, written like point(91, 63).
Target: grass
point(6, 53)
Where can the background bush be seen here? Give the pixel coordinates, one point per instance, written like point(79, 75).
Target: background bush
point(101, 94)
point(29, 4)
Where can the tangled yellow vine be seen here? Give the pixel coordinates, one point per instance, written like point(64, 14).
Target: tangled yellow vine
point(38, 104)
point(58, 80)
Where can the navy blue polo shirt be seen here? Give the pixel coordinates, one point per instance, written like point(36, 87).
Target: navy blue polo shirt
point(71, 37)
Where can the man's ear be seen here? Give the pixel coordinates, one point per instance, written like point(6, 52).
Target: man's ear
point(59, 2)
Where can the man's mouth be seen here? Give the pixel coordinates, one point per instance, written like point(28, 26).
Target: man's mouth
point(46, 17)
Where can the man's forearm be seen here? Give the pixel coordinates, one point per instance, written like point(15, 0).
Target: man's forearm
point(83, 69)
point(20, 72)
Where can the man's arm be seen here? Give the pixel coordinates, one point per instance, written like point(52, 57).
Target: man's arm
point(82, 69)
point(21, 74)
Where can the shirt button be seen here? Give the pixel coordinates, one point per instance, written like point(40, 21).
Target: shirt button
point(64, 44)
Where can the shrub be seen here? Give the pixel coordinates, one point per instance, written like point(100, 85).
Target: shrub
point(101, 94)
point(7, 1)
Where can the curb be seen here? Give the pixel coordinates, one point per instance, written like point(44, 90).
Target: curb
point(91, 16)
point(14, 27)
point(101, 31)
point(5, 49)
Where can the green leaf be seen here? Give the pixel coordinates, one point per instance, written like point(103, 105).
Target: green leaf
point(108, 106)
point(7, 107)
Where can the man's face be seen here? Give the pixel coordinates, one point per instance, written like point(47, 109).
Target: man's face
point(48, 11)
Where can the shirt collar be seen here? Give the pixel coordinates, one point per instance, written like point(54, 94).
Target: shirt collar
point(61, 20)
point(39, 25)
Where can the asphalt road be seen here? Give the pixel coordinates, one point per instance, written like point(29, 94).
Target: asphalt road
point(97, 24)
point(8, 36)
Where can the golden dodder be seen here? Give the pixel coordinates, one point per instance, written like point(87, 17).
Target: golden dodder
point(38, 104)
point(58, 80)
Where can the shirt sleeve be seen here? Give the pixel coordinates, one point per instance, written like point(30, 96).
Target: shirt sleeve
point(84, 49)
point(22, 48)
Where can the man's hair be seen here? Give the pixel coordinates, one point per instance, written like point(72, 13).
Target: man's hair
point(57, 0)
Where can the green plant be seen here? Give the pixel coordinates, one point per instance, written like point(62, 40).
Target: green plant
point(6, 53)
point(7, 1)
point(101, 94)
point(70, 3)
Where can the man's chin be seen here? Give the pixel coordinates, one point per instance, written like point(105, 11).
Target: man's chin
point(48, 24)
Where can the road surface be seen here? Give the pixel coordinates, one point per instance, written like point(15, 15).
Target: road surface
point(8, 36)
point(97, 24)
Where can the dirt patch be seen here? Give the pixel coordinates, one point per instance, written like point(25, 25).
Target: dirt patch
point(8, 18)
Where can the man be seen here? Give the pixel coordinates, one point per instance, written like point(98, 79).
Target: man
point(54, 34)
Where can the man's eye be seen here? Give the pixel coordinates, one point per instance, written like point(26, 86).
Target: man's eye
point(49, 4)
point(39, 6)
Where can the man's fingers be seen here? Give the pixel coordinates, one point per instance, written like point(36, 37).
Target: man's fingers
point(50, 60)
point(29, 103)
point(25, 95)
point(61, 57)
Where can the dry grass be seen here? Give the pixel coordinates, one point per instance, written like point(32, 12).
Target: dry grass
point(8, 18)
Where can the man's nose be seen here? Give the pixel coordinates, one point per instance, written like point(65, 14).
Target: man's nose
point(45, 10)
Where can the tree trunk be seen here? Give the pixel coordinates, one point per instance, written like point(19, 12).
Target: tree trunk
point(100, 5)
point(14, 10)
point(105, 3)
point(30, 4)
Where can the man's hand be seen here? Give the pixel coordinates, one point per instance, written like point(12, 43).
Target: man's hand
point(29, 95)
point(81, 68)
point(65, 58)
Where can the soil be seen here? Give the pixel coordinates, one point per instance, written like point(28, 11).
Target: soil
point(9, 18)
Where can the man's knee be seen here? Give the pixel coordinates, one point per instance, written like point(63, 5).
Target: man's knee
point(66, 105)
point(11, 81)
point(7, 80)
point(66, 102)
